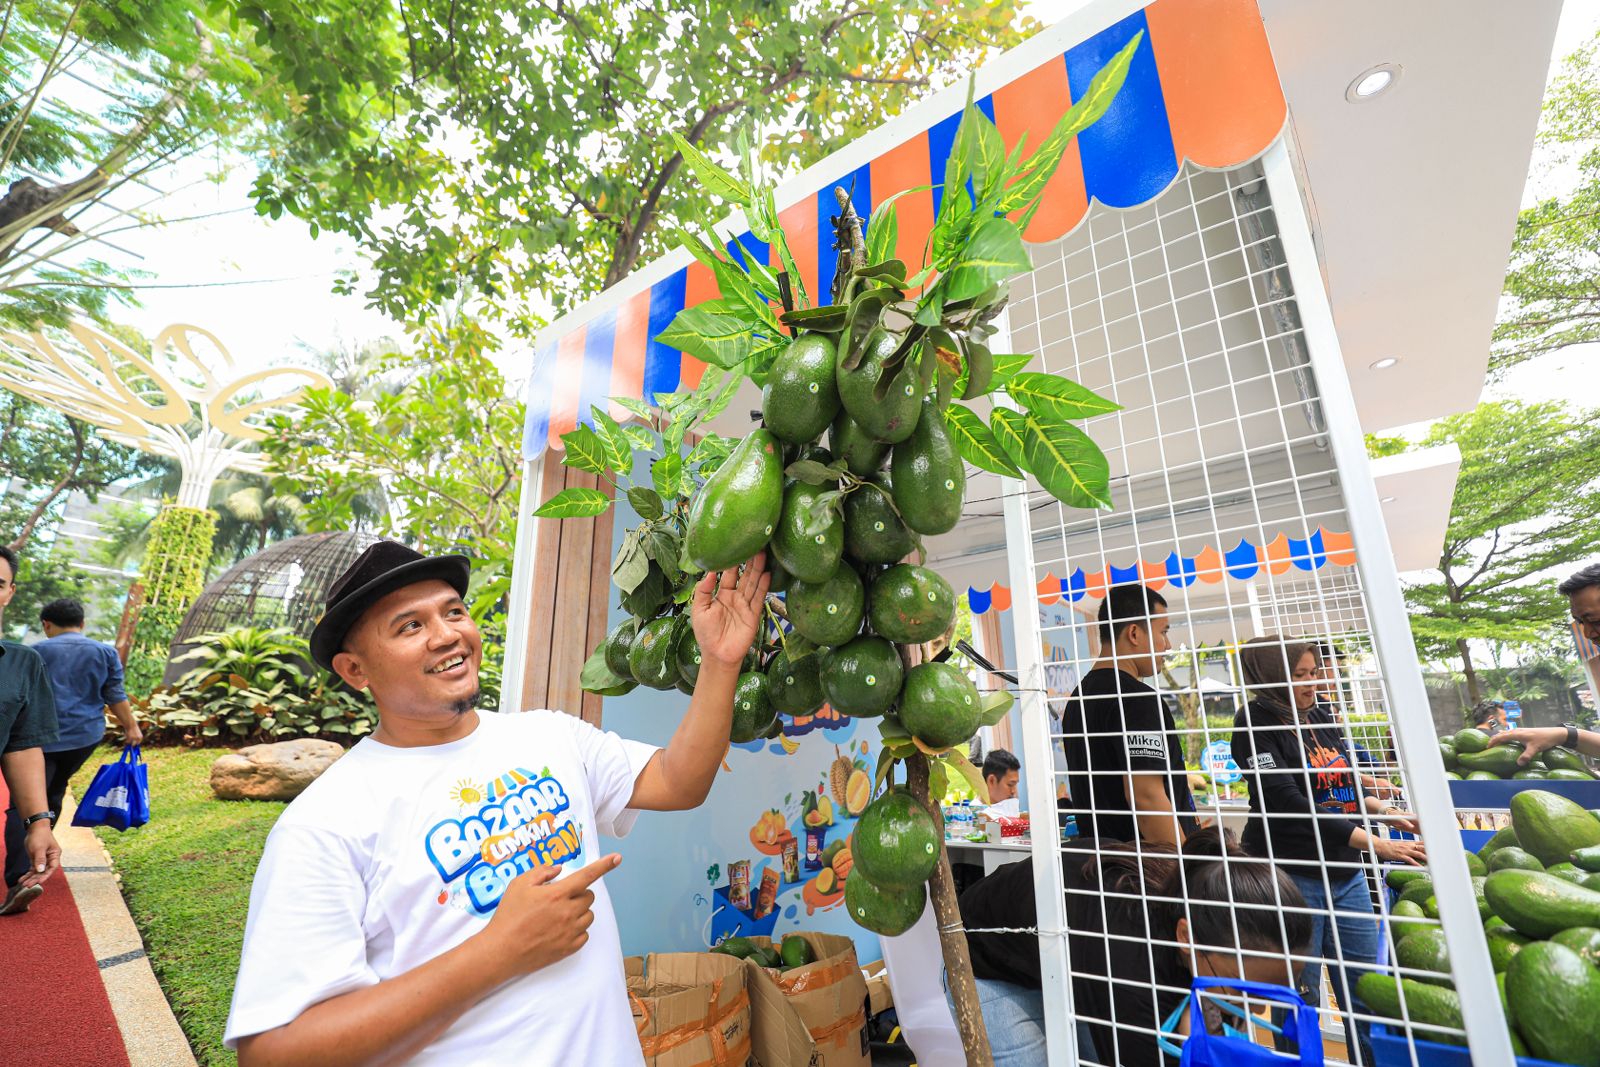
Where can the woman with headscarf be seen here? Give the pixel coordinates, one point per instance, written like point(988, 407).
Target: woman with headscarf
point(1305, 816)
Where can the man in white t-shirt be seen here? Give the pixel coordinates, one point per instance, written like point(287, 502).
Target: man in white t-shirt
point(434, 897)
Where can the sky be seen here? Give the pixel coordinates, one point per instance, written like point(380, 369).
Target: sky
point(264, 286)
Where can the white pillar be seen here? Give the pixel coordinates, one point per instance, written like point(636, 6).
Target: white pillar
point(1391, 630)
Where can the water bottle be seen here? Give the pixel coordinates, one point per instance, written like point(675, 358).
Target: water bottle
point(1513, 714)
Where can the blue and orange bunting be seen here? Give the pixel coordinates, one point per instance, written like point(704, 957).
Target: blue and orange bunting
point(1202, 87)
point(1243, 563)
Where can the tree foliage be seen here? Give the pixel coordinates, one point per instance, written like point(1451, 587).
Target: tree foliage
point(46, 455)
point(518, 155)
point(443, 451)
point(1553, 282)
point(98, 101)
point(1527, 502)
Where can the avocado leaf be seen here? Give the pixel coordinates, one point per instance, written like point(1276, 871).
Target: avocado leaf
point(574, 503)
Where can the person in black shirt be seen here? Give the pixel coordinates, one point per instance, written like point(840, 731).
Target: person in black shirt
point(1125, 773)
point(1141, 926)
point(1305, 816)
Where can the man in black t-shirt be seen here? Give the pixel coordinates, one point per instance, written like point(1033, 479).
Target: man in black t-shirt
point(1126, 777)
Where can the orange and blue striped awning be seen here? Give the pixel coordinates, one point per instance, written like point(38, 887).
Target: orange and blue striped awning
point(1202, 88)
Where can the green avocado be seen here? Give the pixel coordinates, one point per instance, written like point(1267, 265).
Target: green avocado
point(1447, 753)
point(1470, 740)
point(887, 912)
point(795, 685)
point(873, 530)
point(1504, 943)
point(802, 396)
point(896, 842)
point(1539, 904)
point(1506, 835)
point(1533, 774)
point(652, 659)
point(812, 555)
point(1476, 866)
point(1587, 858)
point(1584, 940)
point(1514, 857)
point(861, 454)
point(1417, 890)
point(930, 479)
point(1555, 995)
point(939, 705)
point(1425, 951)
point(1484, 776)
point(1425, 1003)
point(892, 417)
point(1567, 774)
point(797, 951)
point(1550, 826)
point(752, 708)
point(741, 947)
point(618, 642)
point(1500, 761)
point(1399, 877)
point(862, 677)
point(687, 656)
point(909, 604)
point(1562, 758)
point(734, 513)
point(1407, 917)
point(828, 612)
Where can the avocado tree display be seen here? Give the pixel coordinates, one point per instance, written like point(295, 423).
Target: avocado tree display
point(861, 452)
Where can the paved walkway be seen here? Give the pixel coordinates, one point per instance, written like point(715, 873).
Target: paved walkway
point(78, 990)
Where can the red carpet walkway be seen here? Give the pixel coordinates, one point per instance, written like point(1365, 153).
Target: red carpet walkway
point(53, 1004)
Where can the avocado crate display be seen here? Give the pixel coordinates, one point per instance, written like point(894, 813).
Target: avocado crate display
point(868, 375)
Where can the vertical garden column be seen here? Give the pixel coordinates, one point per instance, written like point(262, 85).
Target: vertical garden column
point(174, 574)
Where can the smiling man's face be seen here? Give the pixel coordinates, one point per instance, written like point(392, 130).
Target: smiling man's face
point(417, 651)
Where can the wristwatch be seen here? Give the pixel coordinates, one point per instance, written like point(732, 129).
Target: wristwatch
point(30, 820)
point(1572, 735)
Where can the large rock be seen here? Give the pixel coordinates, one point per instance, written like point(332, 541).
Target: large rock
point(279, 771)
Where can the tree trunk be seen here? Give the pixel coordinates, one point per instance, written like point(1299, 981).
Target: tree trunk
point(952, 935)
point(1474, 694)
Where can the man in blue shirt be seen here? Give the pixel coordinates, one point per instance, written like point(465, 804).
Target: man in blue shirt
point(27, 722)
point(86, 677)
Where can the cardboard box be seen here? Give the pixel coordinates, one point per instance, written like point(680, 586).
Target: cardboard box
point(692, 1009)
point(811, 1016)
point(879, 996)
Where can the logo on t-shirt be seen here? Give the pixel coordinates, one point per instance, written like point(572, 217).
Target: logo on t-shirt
point(1333, 787)
point(1147, 746)
point(1262, 761)
point(513, 824)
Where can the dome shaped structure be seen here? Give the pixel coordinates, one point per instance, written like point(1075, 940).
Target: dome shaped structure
point(282, 585)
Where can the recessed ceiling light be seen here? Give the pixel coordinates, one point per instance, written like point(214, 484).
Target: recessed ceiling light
point(1372, 82)
point(1385, 363)
point(1386, 500)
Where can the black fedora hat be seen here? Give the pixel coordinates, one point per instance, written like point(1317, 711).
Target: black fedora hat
point(384, 567)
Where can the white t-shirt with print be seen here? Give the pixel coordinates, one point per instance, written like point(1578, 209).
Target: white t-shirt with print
point(395, 855)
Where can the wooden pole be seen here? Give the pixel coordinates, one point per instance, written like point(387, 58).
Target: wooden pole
point(952, 935)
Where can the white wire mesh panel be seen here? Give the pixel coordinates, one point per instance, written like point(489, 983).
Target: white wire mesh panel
point(1227, 502)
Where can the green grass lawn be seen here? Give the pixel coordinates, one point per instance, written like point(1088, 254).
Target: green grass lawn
point(186, 876)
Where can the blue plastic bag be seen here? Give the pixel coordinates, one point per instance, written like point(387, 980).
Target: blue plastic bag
point(119, 796)
point(1204, 1049)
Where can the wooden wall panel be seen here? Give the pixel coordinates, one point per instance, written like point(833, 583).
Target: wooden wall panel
point(987, 638)
point(571, 588)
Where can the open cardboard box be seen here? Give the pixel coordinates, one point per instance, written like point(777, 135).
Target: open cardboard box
point(811, 1016)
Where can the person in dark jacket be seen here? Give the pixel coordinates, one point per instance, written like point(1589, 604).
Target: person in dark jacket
point(1141, 926)
point(1306, 810)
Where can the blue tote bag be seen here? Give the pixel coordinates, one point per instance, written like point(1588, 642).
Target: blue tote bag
point(1235, 1049)
point(119, 796)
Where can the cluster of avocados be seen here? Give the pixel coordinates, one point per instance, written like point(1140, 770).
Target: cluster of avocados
point(1537, 883)
point(1467, 755)
point(849, 469)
